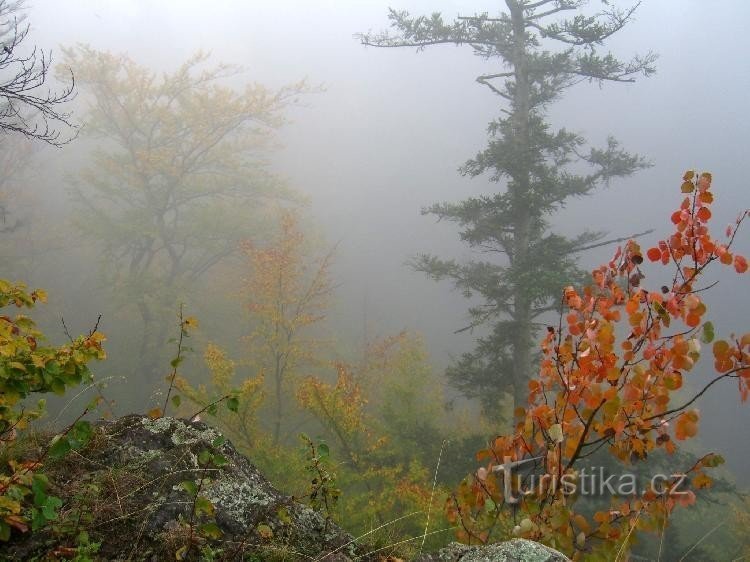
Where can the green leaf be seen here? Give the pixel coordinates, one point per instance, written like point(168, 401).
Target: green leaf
point(713, 460)
point(203, 506)
point(233, 404)
point(60, 447)
point(39, 487)
point(49, 509)
point(220, 460)
point(189, 486)
point(4, 531)
point(52, 368)
point(82, 431)
point(283, 515)
point(212, 409)
point(176, 400)
point(219, 441)
point(323, 450)
point(210, 530)
point(204, 457)
point(707, 336)
point(57, 386)
point(37, 519)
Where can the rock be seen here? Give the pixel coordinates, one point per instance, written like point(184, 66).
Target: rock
point(129, 488)
point(143, 489)
point(516, 550)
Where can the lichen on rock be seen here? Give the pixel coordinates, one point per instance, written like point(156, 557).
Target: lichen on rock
point(131, 485)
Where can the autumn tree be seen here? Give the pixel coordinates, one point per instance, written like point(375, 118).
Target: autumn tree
point(381, 480)
point(27, 107)
point(287, 293)
point(609, 378)
point(238, 421)
point(539, 166)
point(179, 177)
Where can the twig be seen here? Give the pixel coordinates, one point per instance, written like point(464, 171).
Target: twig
point(207, 406)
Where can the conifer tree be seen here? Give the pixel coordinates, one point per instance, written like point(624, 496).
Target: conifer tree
point(542, 48)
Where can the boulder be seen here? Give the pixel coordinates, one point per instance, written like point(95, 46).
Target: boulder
point(130, 488)
point(163, 489)
point(516, 550)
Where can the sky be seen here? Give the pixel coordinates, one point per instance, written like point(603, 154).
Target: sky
point(390, 128)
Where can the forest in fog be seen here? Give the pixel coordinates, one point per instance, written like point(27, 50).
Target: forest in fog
point(390, 251)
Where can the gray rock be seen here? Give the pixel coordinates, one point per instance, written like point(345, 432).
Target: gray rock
point(128, 488)
point(516, 550)
point(129, 485)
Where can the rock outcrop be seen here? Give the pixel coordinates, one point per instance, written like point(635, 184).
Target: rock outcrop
point(164, 489)
point(516, 550)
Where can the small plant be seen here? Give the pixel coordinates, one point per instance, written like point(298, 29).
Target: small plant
point(201, 507)
point(323, 492)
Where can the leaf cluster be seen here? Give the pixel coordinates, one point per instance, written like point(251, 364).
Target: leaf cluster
point(609, 377)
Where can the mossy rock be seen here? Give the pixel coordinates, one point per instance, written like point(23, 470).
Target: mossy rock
point(127, 490)
point(516, 550)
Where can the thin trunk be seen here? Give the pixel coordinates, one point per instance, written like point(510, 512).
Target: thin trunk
point(278, 374)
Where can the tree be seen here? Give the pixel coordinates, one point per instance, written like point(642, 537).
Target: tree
point(287, 294)
point(181, 176)
point(534, 162)
point(27, 108)
point(15, 155)
point(609, 378)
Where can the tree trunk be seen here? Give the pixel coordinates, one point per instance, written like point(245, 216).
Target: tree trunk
point(521, 185)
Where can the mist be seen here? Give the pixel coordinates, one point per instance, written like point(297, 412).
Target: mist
point(379, 135)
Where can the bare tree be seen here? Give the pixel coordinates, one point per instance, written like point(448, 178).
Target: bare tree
point(26, 106)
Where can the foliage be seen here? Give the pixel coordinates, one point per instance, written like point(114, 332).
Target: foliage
point(239, 418)
point(405, 398)
point(201, 508)
point(185, 326)
point(323, 493)
point(287, 294)
point(382, 484)
point(537, 164)
point(29, 368)
point(26, 107)
point(179, 178)
point(609, 377)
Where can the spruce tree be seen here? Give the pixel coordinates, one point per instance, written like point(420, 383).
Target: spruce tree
point(542, 49)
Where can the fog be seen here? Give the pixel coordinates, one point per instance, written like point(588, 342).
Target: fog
point(383, 135)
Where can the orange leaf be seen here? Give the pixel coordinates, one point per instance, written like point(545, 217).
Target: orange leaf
point(654, 254)
point(692, 320)
point(704, 213)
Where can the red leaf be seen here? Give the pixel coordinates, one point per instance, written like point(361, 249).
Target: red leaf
point(654, 254)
